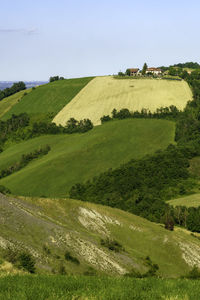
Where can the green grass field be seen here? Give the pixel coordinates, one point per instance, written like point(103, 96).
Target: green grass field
point(79, 157)
point(103, 94)
point(49, 98)
point(77, 226)
point(96, 288)
point(7, 103)
point(188, 201)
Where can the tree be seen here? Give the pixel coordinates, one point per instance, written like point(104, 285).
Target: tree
point(121, 73)
point(168, 221)
point(144, 69)
point(128, 72)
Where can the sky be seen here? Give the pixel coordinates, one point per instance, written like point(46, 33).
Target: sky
point(76, 38)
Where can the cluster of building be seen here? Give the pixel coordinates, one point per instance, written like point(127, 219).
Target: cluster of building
point(153, 71)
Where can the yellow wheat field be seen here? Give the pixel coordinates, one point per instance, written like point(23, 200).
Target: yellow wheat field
point(103, 94)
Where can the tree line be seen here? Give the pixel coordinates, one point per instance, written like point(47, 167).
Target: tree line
point(169, 113)
point(18, 127)
point(16, 87)
point(55, 78)
point(24, 161)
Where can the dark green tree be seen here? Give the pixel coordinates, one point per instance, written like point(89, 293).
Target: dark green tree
point(144, 69)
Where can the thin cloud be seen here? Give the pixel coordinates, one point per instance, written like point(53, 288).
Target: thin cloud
point(19, 30)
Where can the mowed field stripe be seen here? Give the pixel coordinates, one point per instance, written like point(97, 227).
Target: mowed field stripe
point(103, 94)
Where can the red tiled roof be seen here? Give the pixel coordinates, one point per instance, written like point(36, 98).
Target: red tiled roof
point(134, 70)
point(153, 69)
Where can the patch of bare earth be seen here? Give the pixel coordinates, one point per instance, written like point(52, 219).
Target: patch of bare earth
point(93, 220)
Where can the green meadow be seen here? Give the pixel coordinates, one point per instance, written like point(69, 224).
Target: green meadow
point(78, 157)
point(7, 103)
point(188, 201)
point(96, 288)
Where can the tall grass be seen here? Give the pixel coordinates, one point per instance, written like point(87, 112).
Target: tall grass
point(105, 288)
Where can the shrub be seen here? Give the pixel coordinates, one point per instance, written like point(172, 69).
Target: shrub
point(153, 268)
point(71, 258)
point(105, 119)
point(22, 260)
point(4, 190)
point(112, 245)
point(26, 261)
point(194, 273)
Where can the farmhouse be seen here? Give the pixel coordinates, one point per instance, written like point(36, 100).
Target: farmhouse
point(134, 72)
point(154, 71)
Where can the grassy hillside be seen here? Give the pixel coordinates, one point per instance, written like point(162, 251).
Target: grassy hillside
point(7, 103)
point(68, 225)
point(49, 98)
point(188, 201)
point(103, 94)
point(79, 157)
point(98, 288)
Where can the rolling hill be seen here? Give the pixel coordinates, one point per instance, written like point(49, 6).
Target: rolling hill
point(188, 201)
point(78, 157)
point(47, 228)
point(49, 98)
point(103, 94)
point(7, 103)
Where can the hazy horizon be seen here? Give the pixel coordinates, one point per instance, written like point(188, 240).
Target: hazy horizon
point(87, 38)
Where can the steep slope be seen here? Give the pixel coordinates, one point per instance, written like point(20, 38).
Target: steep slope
point(7, 103)
point(103, 94)
point(49, 98)
point(78, 157)
point(49, 227)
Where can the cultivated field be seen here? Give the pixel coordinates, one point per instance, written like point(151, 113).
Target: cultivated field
point(49, 98)
point(103, 94)
point(78, 157)
point(188, 201)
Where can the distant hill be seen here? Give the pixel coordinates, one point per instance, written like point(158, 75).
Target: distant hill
point(29, 84)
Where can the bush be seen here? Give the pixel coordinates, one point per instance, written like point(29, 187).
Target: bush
point(194, 273)
point(105, 119)
point(71, 258)
point(152, 270)
point(22, 260)
point(112, 245)
point(4, 190)
point(26, 261)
